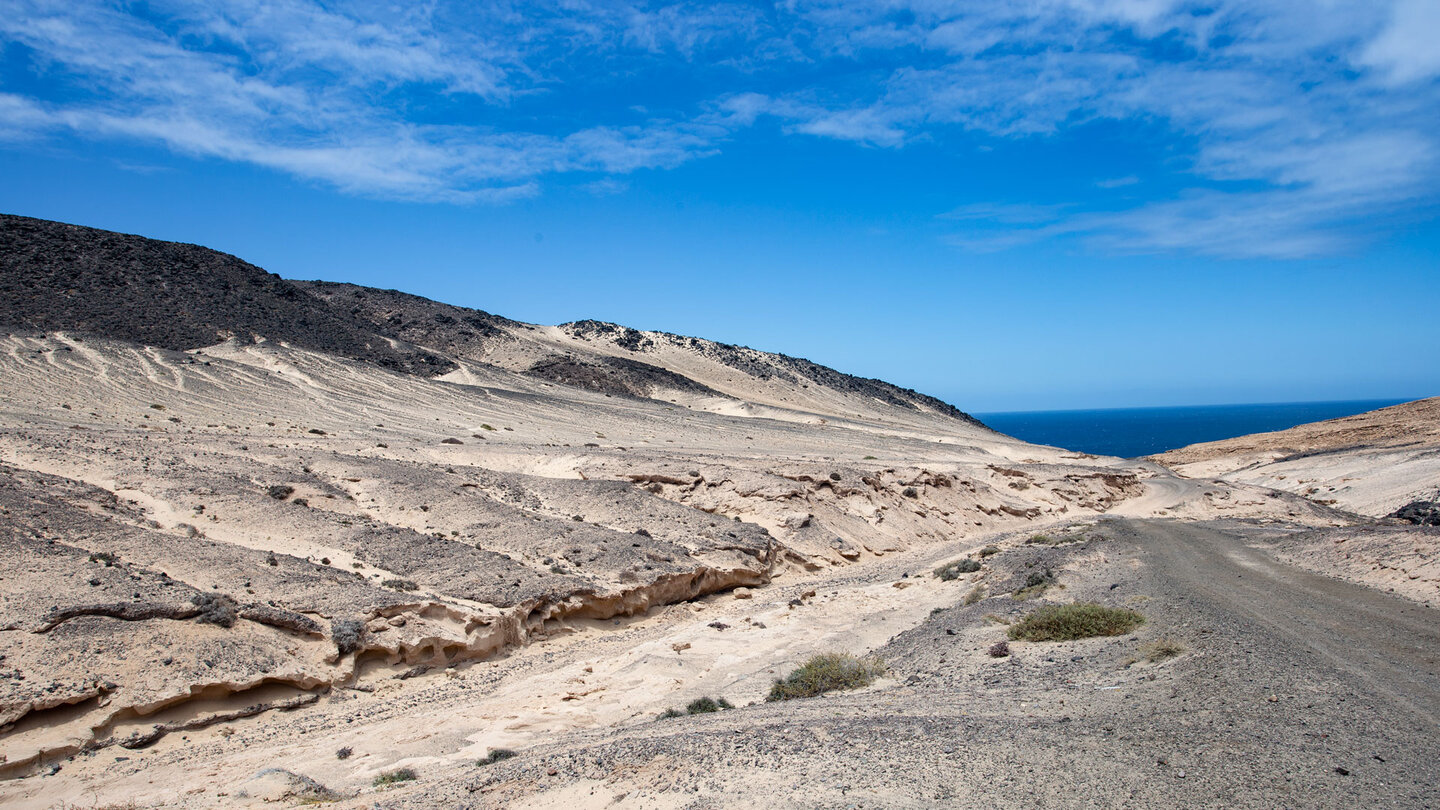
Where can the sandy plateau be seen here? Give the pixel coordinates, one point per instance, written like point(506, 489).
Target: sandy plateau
point(267, 568)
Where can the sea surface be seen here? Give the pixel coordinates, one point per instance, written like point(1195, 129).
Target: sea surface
point(1130, 432)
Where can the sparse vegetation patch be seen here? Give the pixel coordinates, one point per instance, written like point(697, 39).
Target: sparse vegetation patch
point(952, 571)
point(1079, 620)
point(707, 705)
point(395, 777)
point(495, 755)
point(827, 672)
point(703, 705)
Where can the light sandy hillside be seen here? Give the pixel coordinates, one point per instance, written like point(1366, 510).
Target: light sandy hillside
point(1371, 463)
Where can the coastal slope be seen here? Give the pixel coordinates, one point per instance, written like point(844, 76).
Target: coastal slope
point(1372, 463)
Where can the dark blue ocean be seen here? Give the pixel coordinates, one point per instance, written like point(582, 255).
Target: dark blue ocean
point(1130, 432)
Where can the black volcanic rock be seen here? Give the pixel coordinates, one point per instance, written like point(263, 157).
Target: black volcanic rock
point(1421, 513)
point(59, 277)
point(443, 327)
point(177, 296)
point(615, 375)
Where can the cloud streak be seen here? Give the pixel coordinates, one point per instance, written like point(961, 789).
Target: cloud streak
point(294, 87)
point(1297, 125)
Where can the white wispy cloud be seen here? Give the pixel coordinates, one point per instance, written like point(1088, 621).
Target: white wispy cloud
point(1406, 49)
point(1295, 123)
point(295, 86)
point(1267, 93)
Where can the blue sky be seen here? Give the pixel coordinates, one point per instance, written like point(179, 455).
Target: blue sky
point(1013, 204)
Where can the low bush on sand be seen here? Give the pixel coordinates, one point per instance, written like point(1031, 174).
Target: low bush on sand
point(395, 777)
point(495, 755)
point(707, 705)
point(953, 570)
point(703, 705)
point(827, 672)
point(1079, 620)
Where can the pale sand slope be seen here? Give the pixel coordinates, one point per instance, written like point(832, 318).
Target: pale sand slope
point(1371, 463)
point(137, 480)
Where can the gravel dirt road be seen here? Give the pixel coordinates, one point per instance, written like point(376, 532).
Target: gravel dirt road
point(1295, 690)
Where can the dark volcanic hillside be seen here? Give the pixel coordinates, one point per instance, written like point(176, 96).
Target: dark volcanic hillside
point(59, 277)
point(55, 276)
point(609, 357)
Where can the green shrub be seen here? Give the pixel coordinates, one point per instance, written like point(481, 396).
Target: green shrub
point(953, 570)
point(707, 705)
point(975, 595)
point(988, 551)
point(1079, 620)
point(827, 672)
point(669, 713)
point(495, 755)
point(396, 776)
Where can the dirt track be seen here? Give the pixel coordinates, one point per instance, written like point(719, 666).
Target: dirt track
point(1388, 644)
point(1297, 691)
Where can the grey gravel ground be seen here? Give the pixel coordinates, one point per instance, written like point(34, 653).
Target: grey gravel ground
point(1296, 690)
